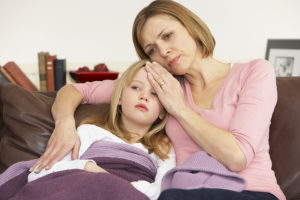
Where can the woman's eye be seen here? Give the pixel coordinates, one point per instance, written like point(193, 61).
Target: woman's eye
point(151, 51)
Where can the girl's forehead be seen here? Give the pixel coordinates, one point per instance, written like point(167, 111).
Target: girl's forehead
point(140, 75)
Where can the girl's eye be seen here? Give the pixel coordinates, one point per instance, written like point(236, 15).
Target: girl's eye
point(167, 36)
point(135, 87)
point(154, 94)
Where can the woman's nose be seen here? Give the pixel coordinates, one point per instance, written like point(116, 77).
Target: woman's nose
point(163, 50)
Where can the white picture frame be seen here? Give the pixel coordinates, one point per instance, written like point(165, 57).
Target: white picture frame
point(285, 57)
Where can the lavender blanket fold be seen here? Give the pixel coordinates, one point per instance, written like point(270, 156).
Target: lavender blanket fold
point(202, 171)
point(125, 164)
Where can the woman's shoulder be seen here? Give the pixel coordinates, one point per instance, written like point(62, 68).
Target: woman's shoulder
point(254, 67)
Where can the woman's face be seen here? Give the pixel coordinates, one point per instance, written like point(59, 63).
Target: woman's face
point(139, 102)
point(166, 41)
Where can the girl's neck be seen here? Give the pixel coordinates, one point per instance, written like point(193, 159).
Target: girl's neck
point(137, 130)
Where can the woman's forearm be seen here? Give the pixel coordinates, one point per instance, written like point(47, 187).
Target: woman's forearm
point(219, 143)
point(67, 100)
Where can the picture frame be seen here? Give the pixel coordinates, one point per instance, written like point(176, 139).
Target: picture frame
point(284, 54)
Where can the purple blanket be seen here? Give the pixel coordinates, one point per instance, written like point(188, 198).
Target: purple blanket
point(125, 164)
point(202, 171)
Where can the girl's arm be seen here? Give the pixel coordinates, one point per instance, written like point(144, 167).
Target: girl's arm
point(93, 167)
point(87, 165)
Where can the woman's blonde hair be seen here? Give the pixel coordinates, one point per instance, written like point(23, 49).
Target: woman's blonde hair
point(155, 140)
point(194, 25)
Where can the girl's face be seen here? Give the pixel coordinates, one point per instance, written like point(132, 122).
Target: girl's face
point(166, 41)
point(139, 102)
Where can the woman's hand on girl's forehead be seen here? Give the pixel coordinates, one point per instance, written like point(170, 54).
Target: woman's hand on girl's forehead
point(166, 86)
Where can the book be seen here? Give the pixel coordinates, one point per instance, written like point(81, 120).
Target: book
point(42, 70)
point(18, 75)
point(9, 78)
point(3, 78)
point(50, 72)
point(59, 73)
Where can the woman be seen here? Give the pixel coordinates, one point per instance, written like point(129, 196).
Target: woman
point(222, 108)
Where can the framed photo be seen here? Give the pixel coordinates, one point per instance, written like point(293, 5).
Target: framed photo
point(285, 56)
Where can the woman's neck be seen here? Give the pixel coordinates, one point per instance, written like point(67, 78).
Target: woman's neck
point(206, 71)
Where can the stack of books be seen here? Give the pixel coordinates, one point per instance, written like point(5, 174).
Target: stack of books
point(12, 73)
point(52, 72)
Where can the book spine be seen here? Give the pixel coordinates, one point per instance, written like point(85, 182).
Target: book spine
point(42, 70)
point(59, 73)
point(18, 75)
point(50, 72)
point(4, 72)
point(3, 78)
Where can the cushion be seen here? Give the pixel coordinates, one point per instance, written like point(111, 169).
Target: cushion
point(27, 123)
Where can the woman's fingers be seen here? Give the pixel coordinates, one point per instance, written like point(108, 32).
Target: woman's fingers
point(58, 146)
point(75, 152)
point(166, 86)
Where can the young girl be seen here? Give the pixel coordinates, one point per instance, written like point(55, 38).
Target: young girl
point(136, 118)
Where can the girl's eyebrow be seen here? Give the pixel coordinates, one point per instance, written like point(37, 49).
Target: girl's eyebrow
point(135, 80)
point(156, 37)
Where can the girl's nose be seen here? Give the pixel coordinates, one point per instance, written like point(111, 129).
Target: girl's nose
point(144, 96)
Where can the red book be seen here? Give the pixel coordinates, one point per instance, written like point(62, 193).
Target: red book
point(18, 75)
point(50, 72)
point(4, 72)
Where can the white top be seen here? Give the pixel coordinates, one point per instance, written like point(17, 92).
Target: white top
point(89, 134)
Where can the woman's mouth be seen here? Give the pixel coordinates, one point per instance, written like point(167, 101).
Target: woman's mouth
point(173, 61)
point(141, 107)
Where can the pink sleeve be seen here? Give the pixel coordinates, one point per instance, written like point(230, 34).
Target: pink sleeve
point(96, 92)
point(256, 103)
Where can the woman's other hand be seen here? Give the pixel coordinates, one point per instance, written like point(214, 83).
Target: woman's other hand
point(63, 140)
point(167, 87)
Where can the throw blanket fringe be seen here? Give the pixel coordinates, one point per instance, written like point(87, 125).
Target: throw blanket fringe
point(202, 171)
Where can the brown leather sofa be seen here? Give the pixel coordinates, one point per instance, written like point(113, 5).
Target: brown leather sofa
point(26, 125)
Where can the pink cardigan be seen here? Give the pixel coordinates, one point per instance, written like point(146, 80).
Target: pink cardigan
point(243, 106)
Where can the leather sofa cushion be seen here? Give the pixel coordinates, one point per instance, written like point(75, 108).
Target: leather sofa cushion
point(27, 123)
point(285, 137)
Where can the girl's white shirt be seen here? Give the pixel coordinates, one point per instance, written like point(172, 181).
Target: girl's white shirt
point(89, 134)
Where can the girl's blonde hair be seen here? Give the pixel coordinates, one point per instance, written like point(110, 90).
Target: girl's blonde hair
point(155, 140)
point(194, 25)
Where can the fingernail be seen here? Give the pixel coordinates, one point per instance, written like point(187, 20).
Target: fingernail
point(148, 63)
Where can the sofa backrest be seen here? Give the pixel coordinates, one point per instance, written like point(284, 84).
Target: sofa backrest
point(26, 125)
point(285, 136)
